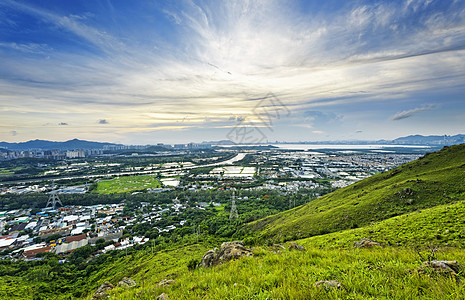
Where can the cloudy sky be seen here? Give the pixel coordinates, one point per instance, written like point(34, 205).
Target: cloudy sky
point(142, 72)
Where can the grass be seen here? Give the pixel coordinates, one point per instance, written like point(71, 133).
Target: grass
point(433, 180)
point(442, 225)
point(387, 273)
point(127, 184)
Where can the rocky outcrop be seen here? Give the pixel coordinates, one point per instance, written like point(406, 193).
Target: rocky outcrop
point(443, 267)
point(366, 243)
point(278, 246)
point(162, 296)
point(101, 292)
point(294, 246)
point(165, 283)
point(127, 282)
point(209, 259)
point(329, 284)
point(227, 251)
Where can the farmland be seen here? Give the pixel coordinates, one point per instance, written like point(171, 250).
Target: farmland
point(127, 184)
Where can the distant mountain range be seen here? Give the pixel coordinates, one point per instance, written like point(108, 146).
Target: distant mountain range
point(49, 145)
point(431, 140)
point(445, 140)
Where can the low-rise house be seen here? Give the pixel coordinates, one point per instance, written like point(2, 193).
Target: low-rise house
point(71, 244)
point(32, 251)
point(6, 241)
point(18, 227)
point(62, 231)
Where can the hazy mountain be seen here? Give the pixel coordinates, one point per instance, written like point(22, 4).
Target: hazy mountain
point(431, 140)
point(82, 144)
point(50, 145)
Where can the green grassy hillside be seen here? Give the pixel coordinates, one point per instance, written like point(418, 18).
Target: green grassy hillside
point(435, 179)
point(440, 226)
point(387, 273)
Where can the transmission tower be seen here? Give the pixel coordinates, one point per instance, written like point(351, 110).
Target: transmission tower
point(234, 214)
point(291, 203)
point(53, 200)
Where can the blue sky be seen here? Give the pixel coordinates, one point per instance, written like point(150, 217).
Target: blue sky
point(142, 72)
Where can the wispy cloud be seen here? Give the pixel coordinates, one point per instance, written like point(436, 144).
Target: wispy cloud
point(221, 57)
point(72, 24)
point(28, 47)
point(409, 113)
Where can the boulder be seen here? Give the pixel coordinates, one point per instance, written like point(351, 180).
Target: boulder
point(102, 291)
point(278, 246)
point(162, 296)
point(166, 282)
point(329, 284)
point(443, 267)
point(127, 282)
point(208, 259)
point(294, 246)
point(366, 243)
point(227, 251)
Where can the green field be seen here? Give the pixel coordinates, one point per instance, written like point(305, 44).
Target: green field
point(127, 184)
point(5, 172)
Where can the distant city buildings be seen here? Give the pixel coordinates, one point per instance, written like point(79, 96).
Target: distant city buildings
point(7, 154)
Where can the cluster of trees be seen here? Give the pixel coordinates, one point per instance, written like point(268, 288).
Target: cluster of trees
point(214, 221)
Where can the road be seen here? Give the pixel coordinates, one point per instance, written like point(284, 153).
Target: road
point(236, 158)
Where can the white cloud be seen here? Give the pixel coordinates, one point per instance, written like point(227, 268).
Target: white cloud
point(409, 113)
point(229, 53)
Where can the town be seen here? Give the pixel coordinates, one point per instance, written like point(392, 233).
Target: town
point(253, 173)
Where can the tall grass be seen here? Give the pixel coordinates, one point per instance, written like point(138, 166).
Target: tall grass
point(384, 273)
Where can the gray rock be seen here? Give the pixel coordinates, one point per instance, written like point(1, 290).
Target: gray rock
point(278, 246)
point(208, 259)
point(102, 291)
point(294, 246)
point(443, 266)
point(366, 243)
point(162, 296)
point(227, 251)
point(127, 282)
point(166, 282)
point(329, 284)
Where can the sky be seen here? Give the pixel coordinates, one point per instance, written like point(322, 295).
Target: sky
point(147, 72)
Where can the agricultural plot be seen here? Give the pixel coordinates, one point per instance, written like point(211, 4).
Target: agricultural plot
point(234, 172)
point(127, 184)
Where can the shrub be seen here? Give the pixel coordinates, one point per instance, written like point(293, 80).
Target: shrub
point(192, 264)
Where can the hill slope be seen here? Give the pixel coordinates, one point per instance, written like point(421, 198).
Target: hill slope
point(442, 225)
point(429, 181)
